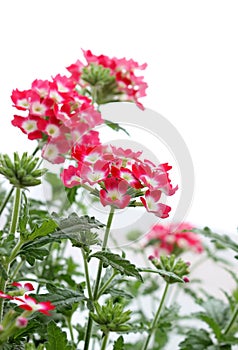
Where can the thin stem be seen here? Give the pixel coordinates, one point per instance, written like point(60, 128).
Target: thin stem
point(232, 320)
point(13, 228)
point(16, 210)
point(104, 245)
point(4, 203)
point(98, 278)
point(68, 319)
point(17, 269)
point(44, 266)
point(85, 262)
point(156, 318)
point(104, 287)
point(104, 343)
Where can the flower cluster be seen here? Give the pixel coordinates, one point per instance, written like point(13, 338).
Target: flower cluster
point(116, 79)
point(56, 114)
point(120, 177)
point(61, 112)
point(173, 239)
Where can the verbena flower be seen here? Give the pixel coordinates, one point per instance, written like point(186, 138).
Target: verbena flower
point(173, 239)
point(56, 114)
point(30, 304)
point(115, 79)
point(121, 177)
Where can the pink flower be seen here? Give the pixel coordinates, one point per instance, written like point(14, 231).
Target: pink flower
point(173, 239)
point(21, 322)
point(30, 304)
point(5, 296)
point(22, 289)
point(56, 113)
point(129, 86)
point(114, 193)
point(152, 204)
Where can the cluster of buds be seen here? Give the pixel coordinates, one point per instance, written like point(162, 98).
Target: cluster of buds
point(12, 321)
point(170, 269)
point(173, 239)
point(109, 79)
point(111, 317)
point(23, 171)
point(120, 177)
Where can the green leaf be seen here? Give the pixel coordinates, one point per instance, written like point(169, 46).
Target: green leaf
point(33, 253)
point(115, 126)
point(62, 298)
point(197, 339)
point(224, 240)
point(217, 310)
point(57, 340)
point(75, 224)
point(78, 230)
point(119, 344)
point(164, 273)
point(118, 263)
point(44, 229)
point(3, 272)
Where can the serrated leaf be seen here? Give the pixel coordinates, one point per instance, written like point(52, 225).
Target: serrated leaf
point(61, 298)
point(76, 224)
point(164, 273)
point(78, 230)
point(119, 344)
point(57, 340)
point(224, 240)
point(44, 229)
point(217, 310)
point(196, 339)
point(120, 264)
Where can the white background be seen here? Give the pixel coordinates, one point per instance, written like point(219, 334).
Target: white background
point(192, 56)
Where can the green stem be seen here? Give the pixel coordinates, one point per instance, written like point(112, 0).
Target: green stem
point(13, 228)
point(156, 318)
point(85, 262)
point(104, 245)
point(104, 287)
point(232, 320)
point(68, 319)
point(4, 203)
point(97, 283)
point(15, 212)
point(104, 343)
point(44, 266)
point(17, 269)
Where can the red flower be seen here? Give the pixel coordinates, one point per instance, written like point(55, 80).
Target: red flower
point(130, 87)
point(114, 193)
point(30, 304)
point(173, 239)
point(152, 205)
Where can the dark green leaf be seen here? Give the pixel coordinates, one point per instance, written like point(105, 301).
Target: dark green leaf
point(61, 298)
point(115, 126)
point(119, 344)
point(198, 340)
point(3, 272)
point(57, 340)
point(118, 263)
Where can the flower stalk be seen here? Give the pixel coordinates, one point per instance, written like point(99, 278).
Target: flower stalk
point(98, 278)
point(156, 318)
